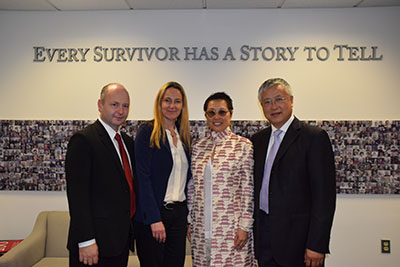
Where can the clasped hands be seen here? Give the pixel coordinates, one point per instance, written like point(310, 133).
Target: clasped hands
point(239, 240)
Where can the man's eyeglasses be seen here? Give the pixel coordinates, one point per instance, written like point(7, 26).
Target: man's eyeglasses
point(212, 113)
point(275, 101)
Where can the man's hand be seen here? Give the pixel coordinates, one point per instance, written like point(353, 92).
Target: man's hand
point(158, 231)
point(89, 255)
point(313, 258)
point(240, 239)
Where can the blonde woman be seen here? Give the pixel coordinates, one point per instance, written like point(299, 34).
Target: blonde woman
point(163, 170)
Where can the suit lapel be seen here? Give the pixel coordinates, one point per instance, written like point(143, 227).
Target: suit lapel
point(290, 136)
point(167, 147)
point(262, 147)
point(167, 143)
point(105, 139)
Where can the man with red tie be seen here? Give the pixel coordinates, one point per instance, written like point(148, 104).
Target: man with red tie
point(101, 194)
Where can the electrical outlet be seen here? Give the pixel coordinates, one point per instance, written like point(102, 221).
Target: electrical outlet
point(385, 246)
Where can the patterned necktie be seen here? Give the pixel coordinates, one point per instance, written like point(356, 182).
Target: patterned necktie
point(128, 173)
point(264, 193)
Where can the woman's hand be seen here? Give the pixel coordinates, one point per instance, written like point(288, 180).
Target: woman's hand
point(240, 239)
point(158, 231)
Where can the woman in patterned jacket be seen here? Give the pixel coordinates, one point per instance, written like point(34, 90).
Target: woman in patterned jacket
point(220, 196)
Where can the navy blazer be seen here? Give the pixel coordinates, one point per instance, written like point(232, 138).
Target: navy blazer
point(302, 192)
point(153, 167)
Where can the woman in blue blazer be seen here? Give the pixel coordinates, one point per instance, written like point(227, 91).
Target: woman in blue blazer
point(163, 169)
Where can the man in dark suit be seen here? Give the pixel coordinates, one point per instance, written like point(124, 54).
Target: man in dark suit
point(295, 184)
point(100, 185)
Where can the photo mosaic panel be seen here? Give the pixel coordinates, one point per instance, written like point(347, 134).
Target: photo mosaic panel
point(32, 152)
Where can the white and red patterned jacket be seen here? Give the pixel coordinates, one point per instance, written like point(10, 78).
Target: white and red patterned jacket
point(232, 189)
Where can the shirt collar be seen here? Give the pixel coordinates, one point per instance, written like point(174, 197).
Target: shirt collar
point(285, 126)
point(111, 132)
point(219, 136)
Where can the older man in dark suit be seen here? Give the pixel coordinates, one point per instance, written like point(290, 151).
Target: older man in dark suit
point(100, 186)
point(295, 185)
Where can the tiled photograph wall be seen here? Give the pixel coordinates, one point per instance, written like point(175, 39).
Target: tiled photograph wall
point(32, 152)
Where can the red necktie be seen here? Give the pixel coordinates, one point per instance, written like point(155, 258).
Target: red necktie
point(128, 173)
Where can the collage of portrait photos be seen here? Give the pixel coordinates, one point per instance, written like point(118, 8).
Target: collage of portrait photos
point(32, 152)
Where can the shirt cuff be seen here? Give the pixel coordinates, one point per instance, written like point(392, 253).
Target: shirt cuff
point(87, 243)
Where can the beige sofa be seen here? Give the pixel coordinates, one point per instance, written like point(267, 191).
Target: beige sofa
point(46, 245)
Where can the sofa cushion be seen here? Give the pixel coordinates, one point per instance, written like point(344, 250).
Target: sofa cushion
point(52, 262)
point(56, 240)
point(57, 233)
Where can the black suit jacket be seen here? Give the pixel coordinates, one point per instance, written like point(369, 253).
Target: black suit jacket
point(302, 192)
point(97, 190)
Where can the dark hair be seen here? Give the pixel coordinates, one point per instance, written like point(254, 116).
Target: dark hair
point(272, 82)
point(219, 96)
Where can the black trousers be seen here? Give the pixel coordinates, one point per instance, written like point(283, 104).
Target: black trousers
point(265, 258)
point(171, 253)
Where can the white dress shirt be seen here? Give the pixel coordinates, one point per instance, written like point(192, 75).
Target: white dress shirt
point(177, 178)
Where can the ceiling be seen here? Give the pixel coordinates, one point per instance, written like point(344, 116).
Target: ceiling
point(70, 5)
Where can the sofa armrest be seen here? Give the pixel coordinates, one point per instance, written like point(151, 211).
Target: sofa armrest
point(31, 249)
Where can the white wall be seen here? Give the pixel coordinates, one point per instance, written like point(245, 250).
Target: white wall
point(20, 209)
point(331, 89)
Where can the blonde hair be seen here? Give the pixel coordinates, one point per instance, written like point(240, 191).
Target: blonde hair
point(182, 120)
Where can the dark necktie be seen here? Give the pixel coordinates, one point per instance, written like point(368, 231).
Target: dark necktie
point(128, 173)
